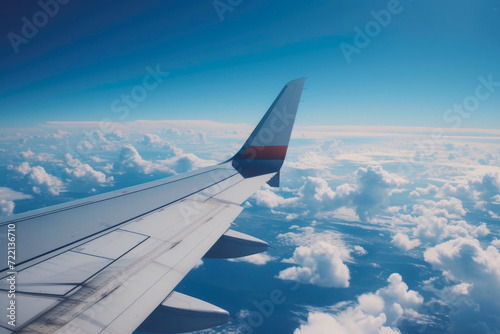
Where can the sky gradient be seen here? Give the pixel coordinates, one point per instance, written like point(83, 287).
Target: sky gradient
point(387, 218)
point(427, 58)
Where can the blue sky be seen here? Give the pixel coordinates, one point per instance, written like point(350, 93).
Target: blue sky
point(426, 59)
point(384, 222)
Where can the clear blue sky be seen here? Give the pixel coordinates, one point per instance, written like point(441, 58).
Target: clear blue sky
point(427, 58)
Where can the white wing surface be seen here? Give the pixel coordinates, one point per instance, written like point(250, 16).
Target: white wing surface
point(110, 263)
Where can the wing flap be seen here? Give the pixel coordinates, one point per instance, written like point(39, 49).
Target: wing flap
point(146, 289)
point(122, 242)
point(147, 272)
point(57, 275)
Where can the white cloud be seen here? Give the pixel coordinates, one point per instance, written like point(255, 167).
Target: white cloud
point(464, 259)
point(398, 299)
point(475, 272)
point(168, 148)
point(367, 196)
point(311, 160)
point(59, 134)
point(40, 179)
point(496, 242)
point(7, 198)
point(351, 321)
point(493, 215)
point(347, 214)
point(30, 155)
point(96, 159)
point(268, 198)
point(449, 208)
point(198, 264)
point(431, 189)
point(482, 190)
point(434, 222)
point(360, 250)
point(403, 241)
point(6, 207)
point(177, 161)
point(374, 313)
point(373, 186)
point(131, 161)
point(496, 199)
point(307, 236)
point(186, 162)
point(115, 134)
point(257, 259)
point(12, 195)
point(319, 264)
point(80, 171)
point(318, 260)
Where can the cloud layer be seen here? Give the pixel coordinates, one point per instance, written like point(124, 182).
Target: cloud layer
point(378, 312)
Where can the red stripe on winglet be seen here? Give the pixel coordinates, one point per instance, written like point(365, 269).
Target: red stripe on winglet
point(265, 153)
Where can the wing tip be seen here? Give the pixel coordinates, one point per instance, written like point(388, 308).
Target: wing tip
point(297, 81)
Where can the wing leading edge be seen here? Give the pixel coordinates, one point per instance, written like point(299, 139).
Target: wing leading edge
point(109, 263)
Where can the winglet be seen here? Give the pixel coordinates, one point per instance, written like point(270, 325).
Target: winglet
point(265, 149)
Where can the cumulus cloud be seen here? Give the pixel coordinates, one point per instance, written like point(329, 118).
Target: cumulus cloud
point(131, 161)
point(373, 185)
point(319, 264)
point(431, 189)
point(115, 134)
point(449, 208)
point(59, 134)
point(7, 198)
point(186, 162)
point(311, 160)
point(84, 172)
point(6, 207)
point(464, 259)
point(198, 264)
point(307, 236)
point(360, 250)
point(39, 178)
point(268, 197)
point(475, 295)
point(257, 259)
point(378, 312)
point(319, 258)
point(168, 148)
point(496, 242)
point(176, 162)
point(403, 241)
point(434, 222)
point(30, 155)
point(366, 196)
point(484, 191)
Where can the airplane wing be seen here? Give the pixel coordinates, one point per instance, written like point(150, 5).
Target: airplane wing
point(110, 263)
